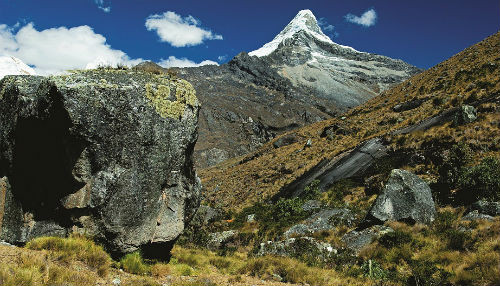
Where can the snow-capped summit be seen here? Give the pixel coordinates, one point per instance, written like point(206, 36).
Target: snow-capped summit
point(304, 21)
point(14, 66)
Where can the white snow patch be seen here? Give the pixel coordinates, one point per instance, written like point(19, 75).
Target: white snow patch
point(14, 66)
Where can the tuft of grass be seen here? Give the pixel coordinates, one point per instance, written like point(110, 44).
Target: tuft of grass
point(75, 247)
point(133, 263)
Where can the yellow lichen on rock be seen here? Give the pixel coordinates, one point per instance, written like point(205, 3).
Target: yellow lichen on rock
point(159, 95)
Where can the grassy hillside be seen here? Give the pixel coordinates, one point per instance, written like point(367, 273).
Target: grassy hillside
point(471, 76)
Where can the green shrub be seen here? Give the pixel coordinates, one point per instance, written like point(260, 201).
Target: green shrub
point(458, 240)
point(395, 238)
point(373, 270)
point(480, 182)
point(425, 272)
point(334, 197)
point(444, 221)
point(133, 263)
point(312, 191)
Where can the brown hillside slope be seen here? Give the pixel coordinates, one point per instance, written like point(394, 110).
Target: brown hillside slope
point(469, 76)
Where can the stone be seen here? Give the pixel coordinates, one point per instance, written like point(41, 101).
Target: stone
point(251, 218)
point(106, 152)
point(405, 197)
point(311, 205)
point(466, 114)
point(294, 247)
point(286, 140)
point(326, 219)
point(476, 215)
point(204, 216)
point(487, 208)
point(407, 105)
point(219, 239)
point(356, 240)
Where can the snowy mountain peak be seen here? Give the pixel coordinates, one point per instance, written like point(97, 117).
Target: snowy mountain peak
point(303, 21)
point(14, 66)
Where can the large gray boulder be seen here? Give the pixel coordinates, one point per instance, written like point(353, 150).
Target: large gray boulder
point(102, 152)
point(405, 197)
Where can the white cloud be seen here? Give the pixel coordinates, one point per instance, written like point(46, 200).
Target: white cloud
point(57, 49)
point(367, 19)
point(179, 31)
point(222, 58)
point(100, 4)
point(328, 28)
point(183, 62)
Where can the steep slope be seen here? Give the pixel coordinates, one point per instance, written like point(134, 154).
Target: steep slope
point(307, 57)
point(425, 102)
point(299, 78)
point(14, 66)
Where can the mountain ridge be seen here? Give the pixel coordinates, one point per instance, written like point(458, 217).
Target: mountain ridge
point(303, 80)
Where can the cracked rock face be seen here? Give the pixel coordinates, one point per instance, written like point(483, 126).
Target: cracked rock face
point(106, 152)
point(405, 197)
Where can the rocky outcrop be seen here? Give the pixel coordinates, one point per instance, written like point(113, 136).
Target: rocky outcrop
point(218, 240)
point(466, 114)
point(356, 240)
point(326, 219)
point(103, 152)
point(405, 197)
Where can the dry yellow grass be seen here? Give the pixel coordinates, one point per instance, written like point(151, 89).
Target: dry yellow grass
point(471, 75)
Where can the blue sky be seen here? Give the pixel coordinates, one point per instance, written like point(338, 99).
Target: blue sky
point(58, 34)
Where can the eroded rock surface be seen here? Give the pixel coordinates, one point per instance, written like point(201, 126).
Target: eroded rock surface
point(104, 152)
point(405, 197)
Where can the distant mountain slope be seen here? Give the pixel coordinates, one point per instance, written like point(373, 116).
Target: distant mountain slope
point(307, 57)
point(470, 77)
point(299, 78)
point(14, 66)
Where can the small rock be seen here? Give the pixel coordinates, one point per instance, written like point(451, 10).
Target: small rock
point(116, 281)
point(487, 208)
point(407, 105)
point(476, 215)
point(324, 220)
point(218, 239)
point(311, 205)
point(308, 143)
point(357, 239)
point(251, 218)
point(466, 114)
point(286, 140)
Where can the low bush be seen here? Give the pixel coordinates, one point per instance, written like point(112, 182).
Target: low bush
point(74, 247)
point(395, 238)
point(480, 182)
point(133, 263)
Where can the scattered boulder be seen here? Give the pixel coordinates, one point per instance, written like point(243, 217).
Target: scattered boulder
point(103, 152)
point(476, 215)
point(332, 130)
point(466, 114)
point(324, 220)
point(296, 247)
point(205, 215)
point(407, 105)
point(217, 240)
point(286, 140)
point(405, 197)
point(357, 239)
point(251, 218)
point(487, 208)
